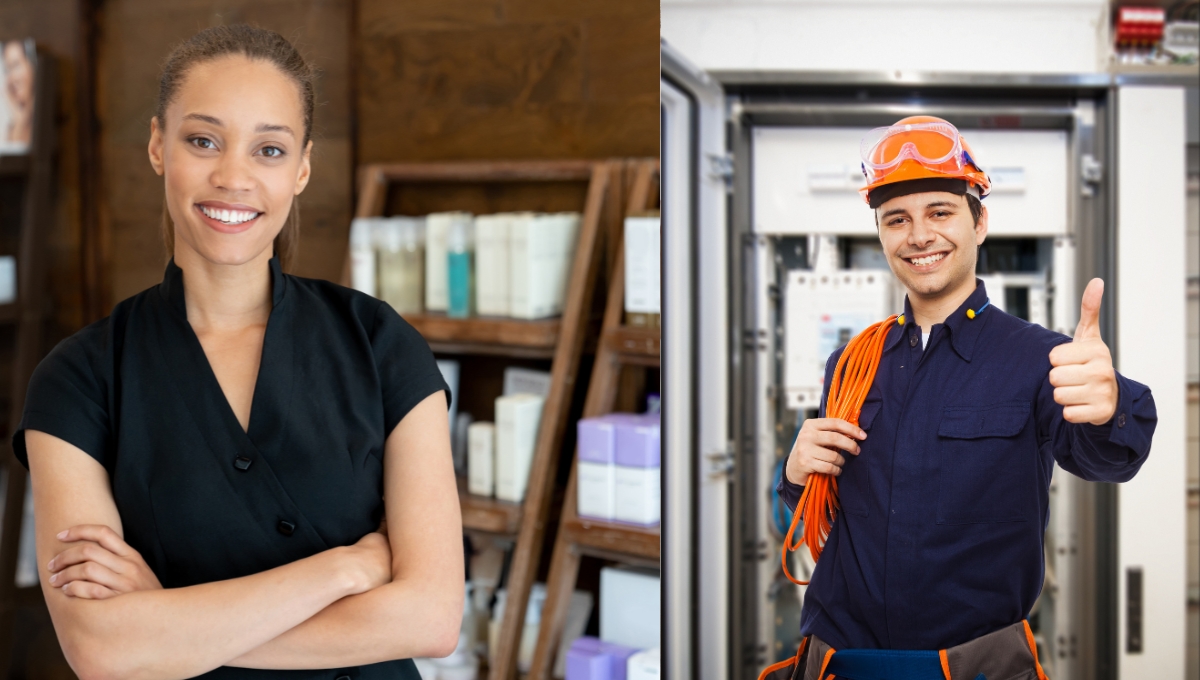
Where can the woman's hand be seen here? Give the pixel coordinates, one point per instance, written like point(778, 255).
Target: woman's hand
point(372, 563)
point(99, 565)
point(819, 448)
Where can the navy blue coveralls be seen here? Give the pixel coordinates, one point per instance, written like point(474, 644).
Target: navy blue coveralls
point(943, 513)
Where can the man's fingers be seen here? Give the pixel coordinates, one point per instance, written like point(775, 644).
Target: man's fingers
point(1083, 413)
point(1089, 311)
point(1073, 395)
point(1069, 375)
point(826, 468)
point(839, 425)
point(834, 440)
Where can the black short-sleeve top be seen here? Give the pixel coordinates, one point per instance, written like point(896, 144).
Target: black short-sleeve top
point(199, 497)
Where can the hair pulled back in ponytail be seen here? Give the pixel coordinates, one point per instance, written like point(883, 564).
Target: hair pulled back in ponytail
point(253, 43)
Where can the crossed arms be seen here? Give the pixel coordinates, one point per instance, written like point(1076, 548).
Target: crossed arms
point(393, 595)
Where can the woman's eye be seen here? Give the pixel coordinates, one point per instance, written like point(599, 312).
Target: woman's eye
point(272, 152)
point(202, 142)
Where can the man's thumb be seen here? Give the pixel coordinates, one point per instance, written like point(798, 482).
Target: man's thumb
point(1089, 311)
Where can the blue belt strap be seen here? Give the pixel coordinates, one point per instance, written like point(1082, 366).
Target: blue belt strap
point(885, 664)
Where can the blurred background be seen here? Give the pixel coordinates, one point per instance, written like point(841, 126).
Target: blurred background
point(1084, 113)
point(540, 114)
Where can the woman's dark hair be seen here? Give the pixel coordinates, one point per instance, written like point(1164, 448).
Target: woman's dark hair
point(255, 44)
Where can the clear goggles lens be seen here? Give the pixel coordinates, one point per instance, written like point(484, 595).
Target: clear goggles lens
point(937, 146)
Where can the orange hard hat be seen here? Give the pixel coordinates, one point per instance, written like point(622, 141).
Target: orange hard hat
point(920, 148)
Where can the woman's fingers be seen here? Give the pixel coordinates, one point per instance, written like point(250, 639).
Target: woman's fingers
point(88, 552)
point(99, 534)
point(92, 573)
point(86, 590)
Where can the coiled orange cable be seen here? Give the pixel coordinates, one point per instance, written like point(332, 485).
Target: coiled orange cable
point(818, 504)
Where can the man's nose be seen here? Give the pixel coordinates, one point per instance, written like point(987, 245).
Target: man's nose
point(921, 234)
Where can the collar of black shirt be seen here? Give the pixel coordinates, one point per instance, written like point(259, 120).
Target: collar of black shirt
point(172, 285)
point(963, 331)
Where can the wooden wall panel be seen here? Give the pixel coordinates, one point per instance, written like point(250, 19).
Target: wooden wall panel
point(55, 25)
point(498, 79)
point(136, 37)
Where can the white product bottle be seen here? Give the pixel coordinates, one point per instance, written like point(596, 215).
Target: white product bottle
point(362, 255)
point(518, 417)
point(481, 458)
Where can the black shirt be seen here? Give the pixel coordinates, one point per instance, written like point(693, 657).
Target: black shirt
point(199, 497)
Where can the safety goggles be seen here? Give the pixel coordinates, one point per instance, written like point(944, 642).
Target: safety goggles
point(935, 145)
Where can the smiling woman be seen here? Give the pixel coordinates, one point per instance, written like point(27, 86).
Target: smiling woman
point(209, 462)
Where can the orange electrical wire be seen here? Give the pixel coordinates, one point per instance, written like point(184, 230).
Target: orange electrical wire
point(818, 504)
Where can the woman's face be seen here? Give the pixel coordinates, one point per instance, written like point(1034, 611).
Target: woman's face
point(232, 155)
point(19, 75)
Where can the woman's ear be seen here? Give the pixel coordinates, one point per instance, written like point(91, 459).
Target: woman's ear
point(156, 146)
point(305, 169)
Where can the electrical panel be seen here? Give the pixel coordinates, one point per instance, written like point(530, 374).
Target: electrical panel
point(823, 311)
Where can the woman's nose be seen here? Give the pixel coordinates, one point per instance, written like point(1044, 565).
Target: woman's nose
point(233, 173)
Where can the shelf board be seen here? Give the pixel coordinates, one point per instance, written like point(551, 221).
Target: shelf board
point(635, 345)
point(489, 515)
point(611, 538)
point(14, 165)
point(488, 335)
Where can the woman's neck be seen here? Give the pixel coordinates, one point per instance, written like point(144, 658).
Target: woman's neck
point(222, 296)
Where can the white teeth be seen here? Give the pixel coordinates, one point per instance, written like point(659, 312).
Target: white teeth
point(229, 216)
point(919, 261)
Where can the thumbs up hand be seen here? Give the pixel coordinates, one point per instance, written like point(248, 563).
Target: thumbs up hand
point(1082, 375)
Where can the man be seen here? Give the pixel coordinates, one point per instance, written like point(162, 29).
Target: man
point(944, 485)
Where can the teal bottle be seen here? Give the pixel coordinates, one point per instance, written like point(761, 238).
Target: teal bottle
point(460, 271)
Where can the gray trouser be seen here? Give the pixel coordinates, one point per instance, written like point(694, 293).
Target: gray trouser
point(1006, 654)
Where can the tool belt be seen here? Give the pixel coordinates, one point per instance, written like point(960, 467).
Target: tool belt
point(1007, 654)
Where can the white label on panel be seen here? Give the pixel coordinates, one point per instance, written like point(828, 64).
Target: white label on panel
point(802, 181)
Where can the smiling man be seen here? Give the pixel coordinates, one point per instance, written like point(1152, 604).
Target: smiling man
point(936, 554)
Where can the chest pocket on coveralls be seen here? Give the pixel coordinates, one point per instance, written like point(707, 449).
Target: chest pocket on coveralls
point(984, 475)
point(854, 483)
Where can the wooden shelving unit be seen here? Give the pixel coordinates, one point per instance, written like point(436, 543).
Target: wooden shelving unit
point(619, 346)
point(561, 340)
point(35, 171)
point(482, 335)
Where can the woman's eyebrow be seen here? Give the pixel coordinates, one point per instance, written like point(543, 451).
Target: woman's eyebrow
point(268, 127)
point(261, 127)
point(204, 119)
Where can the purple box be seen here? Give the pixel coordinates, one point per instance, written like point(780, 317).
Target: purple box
point(620, 658)
point(597, 437)
point(597, 440)
point(590, 658)
point(586, 660)
point(638, 442)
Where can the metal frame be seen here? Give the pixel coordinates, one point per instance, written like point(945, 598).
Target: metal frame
point(695, 428)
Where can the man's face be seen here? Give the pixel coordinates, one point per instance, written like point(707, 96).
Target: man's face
point(930, 240)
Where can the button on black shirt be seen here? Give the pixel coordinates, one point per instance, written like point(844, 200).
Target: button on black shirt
point(135, 391)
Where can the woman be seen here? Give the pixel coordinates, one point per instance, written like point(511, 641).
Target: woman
point(209, 462)
point(16, 57)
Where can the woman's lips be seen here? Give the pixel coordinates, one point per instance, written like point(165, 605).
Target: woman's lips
point(224, 228)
